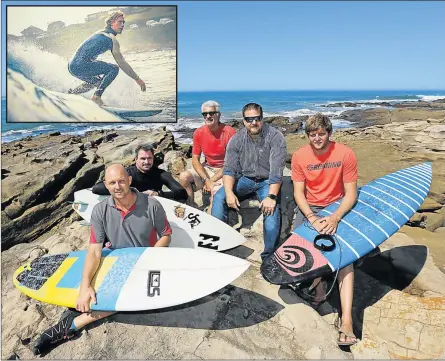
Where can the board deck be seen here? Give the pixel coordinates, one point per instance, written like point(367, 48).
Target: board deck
point(383, 206)
point(191, 227)
point(131, 279)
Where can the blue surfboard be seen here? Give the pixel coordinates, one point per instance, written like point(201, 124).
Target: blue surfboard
point(383, 206)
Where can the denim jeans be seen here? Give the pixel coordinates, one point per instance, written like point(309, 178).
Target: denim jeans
point(244, 187)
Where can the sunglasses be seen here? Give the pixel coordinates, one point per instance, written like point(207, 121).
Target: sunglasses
point(258, 118)
point(209, 113)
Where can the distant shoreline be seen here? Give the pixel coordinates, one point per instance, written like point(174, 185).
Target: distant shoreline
point(345, 108)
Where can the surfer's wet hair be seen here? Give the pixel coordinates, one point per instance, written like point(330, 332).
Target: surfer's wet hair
point(210, 103)
point(145, 147)
point(112, 17)
point(253, 106)
point(317, 121)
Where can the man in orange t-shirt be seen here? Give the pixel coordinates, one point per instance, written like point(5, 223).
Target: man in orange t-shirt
point(210, 140)
point(323, 172)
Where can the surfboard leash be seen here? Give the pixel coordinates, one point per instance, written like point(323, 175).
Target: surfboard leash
point(323, 248)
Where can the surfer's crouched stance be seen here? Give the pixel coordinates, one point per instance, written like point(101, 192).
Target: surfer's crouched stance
point(96, 73)
point(107, 227)
point(323, 172)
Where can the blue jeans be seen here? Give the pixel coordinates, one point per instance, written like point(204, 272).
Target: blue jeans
point(244, 187)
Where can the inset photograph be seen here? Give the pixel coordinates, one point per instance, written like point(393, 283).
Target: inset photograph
point(75, 64)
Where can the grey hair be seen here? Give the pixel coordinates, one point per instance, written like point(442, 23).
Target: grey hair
point(211, 103)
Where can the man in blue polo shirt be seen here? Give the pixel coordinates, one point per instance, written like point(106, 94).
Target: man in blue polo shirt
point(111, 221)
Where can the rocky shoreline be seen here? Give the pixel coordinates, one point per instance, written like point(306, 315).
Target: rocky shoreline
point(399, 305)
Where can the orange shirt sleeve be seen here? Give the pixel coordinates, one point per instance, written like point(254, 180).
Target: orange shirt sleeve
point(350, 172)
point(297, 171)
point(197, 147)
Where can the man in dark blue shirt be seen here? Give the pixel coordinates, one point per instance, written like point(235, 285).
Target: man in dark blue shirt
point(96, 73)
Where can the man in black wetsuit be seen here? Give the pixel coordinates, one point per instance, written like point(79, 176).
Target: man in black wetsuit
point(148, 179)
point(95, 73)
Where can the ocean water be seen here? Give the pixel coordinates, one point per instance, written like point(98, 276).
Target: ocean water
point(156, 67)
point(286, 103)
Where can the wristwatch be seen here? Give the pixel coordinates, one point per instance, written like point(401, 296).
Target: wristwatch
point(272, 196)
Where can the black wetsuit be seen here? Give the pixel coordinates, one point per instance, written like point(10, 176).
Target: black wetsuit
point(153, 180)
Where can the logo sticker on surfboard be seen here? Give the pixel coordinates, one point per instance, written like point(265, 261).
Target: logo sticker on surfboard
point(154, 283)
point(180, 212)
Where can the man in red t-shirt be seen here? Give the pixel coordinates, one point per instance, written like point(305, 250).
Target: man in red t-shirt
point(323, 172)
point(210, 140)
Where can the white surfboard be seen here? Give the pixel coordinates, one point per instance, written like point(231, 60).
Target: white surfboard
point(191, 227)
point(131, 279)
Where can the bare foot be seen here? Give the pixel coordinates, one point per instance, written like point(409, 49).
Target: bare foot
point(97, 100)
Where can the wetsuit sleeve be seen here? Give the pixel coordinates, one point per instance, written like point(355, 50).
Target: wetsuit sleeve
point(100, 189)
point(126, 68)
point(177, 192)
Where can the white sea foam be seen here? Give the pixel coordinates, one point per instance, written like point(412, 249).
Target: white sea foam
point(430, 98)
point(160, 76)
point(34, 64)
point(27, 131)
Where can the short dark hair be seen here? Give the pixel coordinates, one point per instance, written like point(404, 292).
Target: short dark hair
point(145, 147)
point(253, 106)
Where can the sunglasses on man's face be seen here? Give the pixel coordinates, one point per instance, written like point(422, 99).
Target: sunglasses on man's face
point(204, 114)
point(258, 118)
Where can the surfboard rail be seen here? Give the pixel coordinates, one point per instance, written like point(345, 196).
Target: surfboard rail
point(383, 206)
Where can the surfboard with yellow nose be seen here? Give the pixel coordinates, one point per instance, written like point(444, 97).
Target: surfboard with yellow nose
point(131, 279)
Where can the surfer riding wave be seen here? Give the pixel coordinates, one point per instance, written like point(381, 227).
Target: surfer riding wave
point(96, 73)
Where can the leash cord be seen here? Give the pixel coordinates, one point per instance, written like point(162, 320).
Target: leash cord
point(308, 224)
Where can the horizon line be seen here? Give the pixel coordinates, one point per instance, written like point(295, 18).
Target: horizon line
point(320, 89)
point(299, 90)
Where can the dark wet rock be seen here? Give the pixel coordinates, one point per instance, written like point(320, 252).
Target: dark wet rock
point(341, 104)
point(40, 175)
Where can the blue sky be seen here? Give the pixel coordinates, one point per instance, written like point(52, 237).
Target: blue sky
point(307, 45)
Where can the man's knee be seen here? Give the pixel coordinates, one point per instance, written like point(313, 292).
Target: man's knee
point(219, 197)
point(349, 269)
point(185, 178)
point(114, 69)
point(98, 315)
